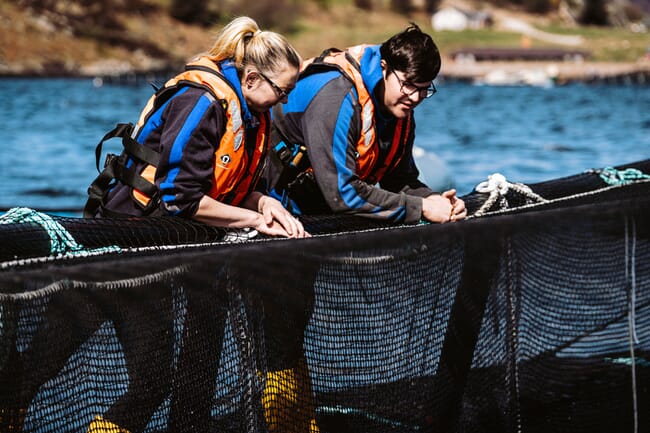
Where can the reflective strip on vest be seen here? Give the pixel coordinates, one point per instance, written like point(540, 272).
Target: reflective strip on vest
point(367, 146)
point(236, 167)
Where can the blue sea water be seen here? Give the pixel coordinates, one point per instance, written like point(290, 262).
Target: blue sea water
point(50, 128)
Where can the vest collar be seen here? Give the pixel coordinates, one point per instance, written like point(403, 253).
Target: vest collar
point(371, 73)
point(230, 72)
point(370, 64)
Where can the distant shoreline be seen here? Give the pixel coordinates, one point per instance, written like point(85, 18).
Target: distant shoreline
point(561, 72)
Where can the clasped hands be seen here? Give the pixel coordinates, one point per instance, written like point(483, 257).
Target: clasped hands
point(442, 208)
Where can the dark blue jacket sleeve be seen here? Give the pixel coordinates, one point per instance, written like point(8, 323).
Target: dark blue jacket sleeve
point(192, 127)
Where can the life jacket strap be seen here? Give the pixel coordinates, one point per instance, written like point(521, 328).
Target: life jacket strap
point(120, 130)
point(116, 169)
point(99, 187)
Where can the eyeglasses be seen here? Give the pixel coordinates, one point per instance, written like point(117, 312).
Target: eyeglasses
point(409, 89)
point(281, 92)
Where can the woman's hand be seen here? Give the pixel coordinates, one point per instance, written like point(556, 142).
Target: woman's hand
point(262, 213)
point(274, 213)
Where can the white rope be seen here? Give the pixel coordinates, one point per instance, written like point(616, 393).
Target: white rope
point(240, 235)
point(498, 187)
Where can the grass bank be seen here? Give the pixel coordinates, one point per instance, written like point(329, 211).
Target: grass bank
point(35, 45)
point(344, 25)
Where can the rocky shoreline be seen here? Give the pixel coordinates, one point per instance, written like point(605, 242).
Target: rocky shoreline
point(465, 71)
point(558, 72)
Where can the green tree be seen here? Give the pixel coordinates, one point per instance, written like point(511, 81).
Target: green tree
point(430, 6)
point(278, 15)
point(191, 11)
point(401, 6)
point(538, 6)
point(594, 13)
point(365, 5)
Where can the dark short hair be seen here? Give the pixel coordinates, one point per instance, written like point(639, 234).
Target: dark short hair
point(413, 52)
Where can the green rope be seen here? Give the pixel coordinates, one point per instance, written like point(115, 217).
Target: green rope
point(61, 241)
point(341, 410)
point(628, 361)
point(614, 177)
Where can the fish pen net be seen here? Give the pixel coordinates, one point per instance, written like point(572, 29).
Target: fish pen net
point(534, 318)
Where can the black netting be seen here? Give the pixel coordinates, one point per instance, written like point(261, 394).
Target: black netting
point(529, 320)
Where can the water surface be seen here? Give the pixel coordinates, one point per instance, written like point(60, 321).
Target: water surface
point(50, 128)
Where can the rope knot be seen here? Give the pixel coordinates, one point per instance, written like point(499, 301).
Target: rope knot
point(498, 187)
point(61, 241)
point(614, 177)
point(496, 182)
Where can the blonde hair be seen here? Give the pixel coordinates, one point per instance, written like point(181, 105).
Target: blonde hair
point(243, 42)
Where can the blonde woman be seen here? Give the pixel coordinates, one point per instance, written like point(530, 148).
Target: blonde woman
point(198, 147)
point(196, 152)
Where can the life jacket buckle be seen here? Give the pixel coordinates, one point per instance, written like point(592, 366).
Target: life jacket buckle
point(284, 153)
point(154, 203)
point(111, 158)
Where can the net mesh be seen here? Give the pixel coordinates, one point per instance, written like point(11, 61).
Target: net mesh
point(530, 319)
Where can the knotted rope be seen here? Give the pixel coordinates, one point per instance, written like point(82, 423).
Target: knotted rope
point(614, 177)
point(61, 241)
point(498, 187)
point(240, 235)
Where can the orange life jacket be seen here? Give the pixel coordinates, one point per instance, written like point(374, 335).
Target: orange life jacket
point(237, 165)
point(368, 168)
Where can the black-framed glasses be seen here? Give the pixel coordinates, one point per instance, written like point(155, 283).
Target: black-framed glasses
point(409, 89)
point(279, 90)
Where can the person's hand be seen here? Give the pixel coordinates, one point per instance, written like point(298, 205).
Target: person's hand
point(272, 229)
point(274, 214)
point(458, 206)
point(443, 208)
point(436, 208)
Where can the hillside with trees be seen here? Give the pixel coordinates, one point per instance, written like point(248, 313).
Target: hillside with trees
point(89, 37)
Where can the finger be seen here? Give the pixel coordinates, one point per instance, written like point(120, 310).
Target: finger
point(450, 193)
point(274, 230)
point(289, 223)
point(285, 219)
point(283, 228)
point(300, 229)
point(460, 215)
point(268, 215)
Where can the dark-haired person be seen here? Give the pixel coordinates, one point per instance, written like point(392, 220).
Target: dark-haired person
point(343, 141)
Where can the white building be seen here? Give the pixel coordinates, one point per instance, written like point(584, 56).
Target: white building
point(456, 20)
